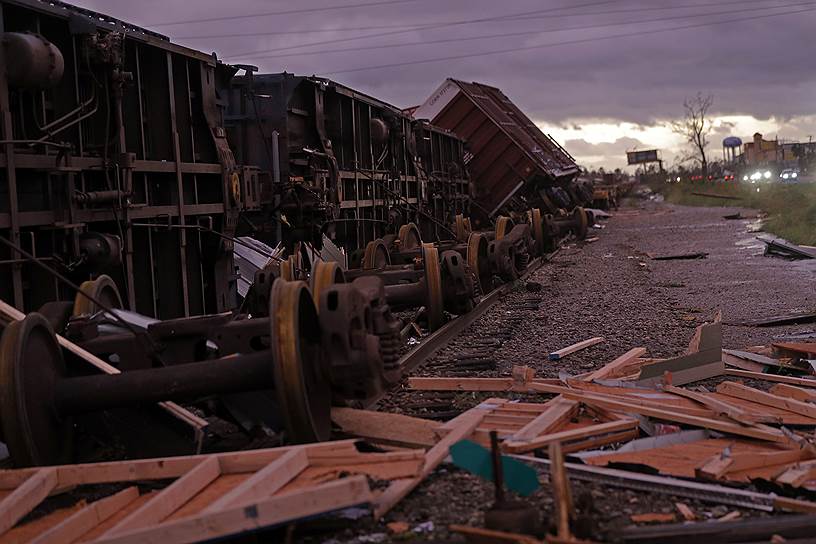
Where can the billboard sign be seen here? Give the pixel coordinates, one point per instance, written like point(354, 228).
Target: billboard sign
point(642, 157)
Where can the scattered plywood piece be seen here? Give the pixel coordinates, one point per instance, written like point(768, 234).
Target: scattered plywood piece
point(563, 352)
point(738, 390)
point(703, 359)
point(384, 427)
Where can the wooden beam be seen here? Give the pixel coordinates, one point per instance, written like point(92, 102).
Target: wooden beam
point(401, 488)
point(477, 534)
point(740, 391)
point(559, 411)
point(25, 498)
point(789, 391)
point(385, 427)
point(563, 352)
point(169, 499)
point(275, 510)
point(562, 493)
point(720, 407)
point(772, 435)
point(572, 434)
point(73, 527)
point(475, 384)
point(804, 382)
point(714, 468)
point(610, 369)
point(264, 483)
point(798, 474)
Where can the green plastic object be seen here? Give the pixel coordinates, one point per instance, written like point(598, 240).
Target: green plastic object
point(472, 457)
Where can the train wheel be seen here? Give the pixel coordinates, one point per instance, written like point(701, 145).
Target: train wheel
point(376, 255)
point(324, 275)
point(582, 222)
point(289, 268)
point(102, 289)
point(30, 365)
point(433, 284)
point(478, 259)
point(462, 227)
point(503, 226)
point(409, 237)
point(301, 382)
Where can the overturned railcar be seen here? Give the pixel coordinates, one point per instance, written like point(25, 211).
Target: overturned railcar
point(113, 159)
point(335, 162)
point(513, 164)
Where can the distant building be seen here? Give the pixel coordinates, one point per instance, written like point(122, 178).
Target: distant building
point(761, 152)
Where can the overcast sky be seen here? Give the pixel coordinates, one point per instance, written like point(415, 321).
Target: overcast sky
point(598, 95)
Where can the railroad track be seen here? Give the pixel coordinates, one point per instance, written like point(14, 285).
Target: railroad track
point(420, 355)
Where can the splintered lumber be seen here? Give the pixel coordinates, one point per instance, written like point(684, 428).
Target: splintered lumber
point(723, 408)
point(399, 489)
point(386, 428)
point(557, 412)
point(803, 395)
point(611, 369)
point(570, 435)
point(652, 517)
point(804, 382)
point(21, 501)
point(746, 360)
point(769, 434)
point(738, 390)
point(562, 494)
point(563, 352)
point(279, 509)
point(798, 474)
point(685, 511)
point(803, 348)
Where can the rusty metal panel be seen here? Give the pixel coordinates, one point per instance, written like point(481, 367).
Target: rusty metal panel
point(508, 150)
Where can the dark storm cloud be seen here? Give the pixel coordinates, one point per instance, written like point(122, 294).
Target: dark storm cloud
point(760, 67)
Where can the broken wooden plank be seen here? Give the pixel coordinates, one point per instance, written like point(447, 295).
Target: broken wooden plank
point(21, 501)
point(264, 483)
point(269, 512)
point(722, 408)
point(563, 352)
point(562, 494)
point(738, 390)
point(559, 410)
point(769, 434)
point(474, 384)
point(797, 393)
point(384, 427)
point(169, 499)
point(488, 535)
point(703, 359)
point(798, 474)
point(714, 467)
point(610, 370)
point(395, 492)
point(569, 435)
point(804, 382)
point(685, 511)
point(79, 523)
point(653, 517)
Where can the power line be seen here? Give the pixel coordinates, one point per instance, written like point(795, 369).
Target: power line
point(568, 42)
point(285, 12)
point(421, 27)
point(527, 32)
point(413, 26)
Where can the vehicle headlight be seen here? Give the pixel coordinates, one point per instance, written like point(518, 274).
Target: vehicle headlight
point(784, 176)
point(678, 179)
point(794, 175)
point(745, 177)
point(767, 174)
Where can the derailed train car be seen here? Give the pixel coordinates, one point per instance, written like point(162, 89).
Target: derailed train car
point(514, 165)
point(113, 160)
point(341, 163)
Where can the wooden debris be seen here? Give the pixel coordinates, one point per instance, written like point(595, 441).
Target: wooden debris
point(569, 435)
point(652, 517)
point(730, 516)
point(703, 359)
point(386, 428)
point(804, 382)
point(723, 408)
point(618, 367)
point(798, 474)
point(797, 393)
point(397, 527)
point(685, 511)
point(734, 389)
point(679, 256)
point(562, 494)
point(558, 411)
point(563, 352)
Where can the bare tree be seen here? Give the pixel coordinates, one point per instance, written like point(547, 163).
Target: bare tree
point(695, 127)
